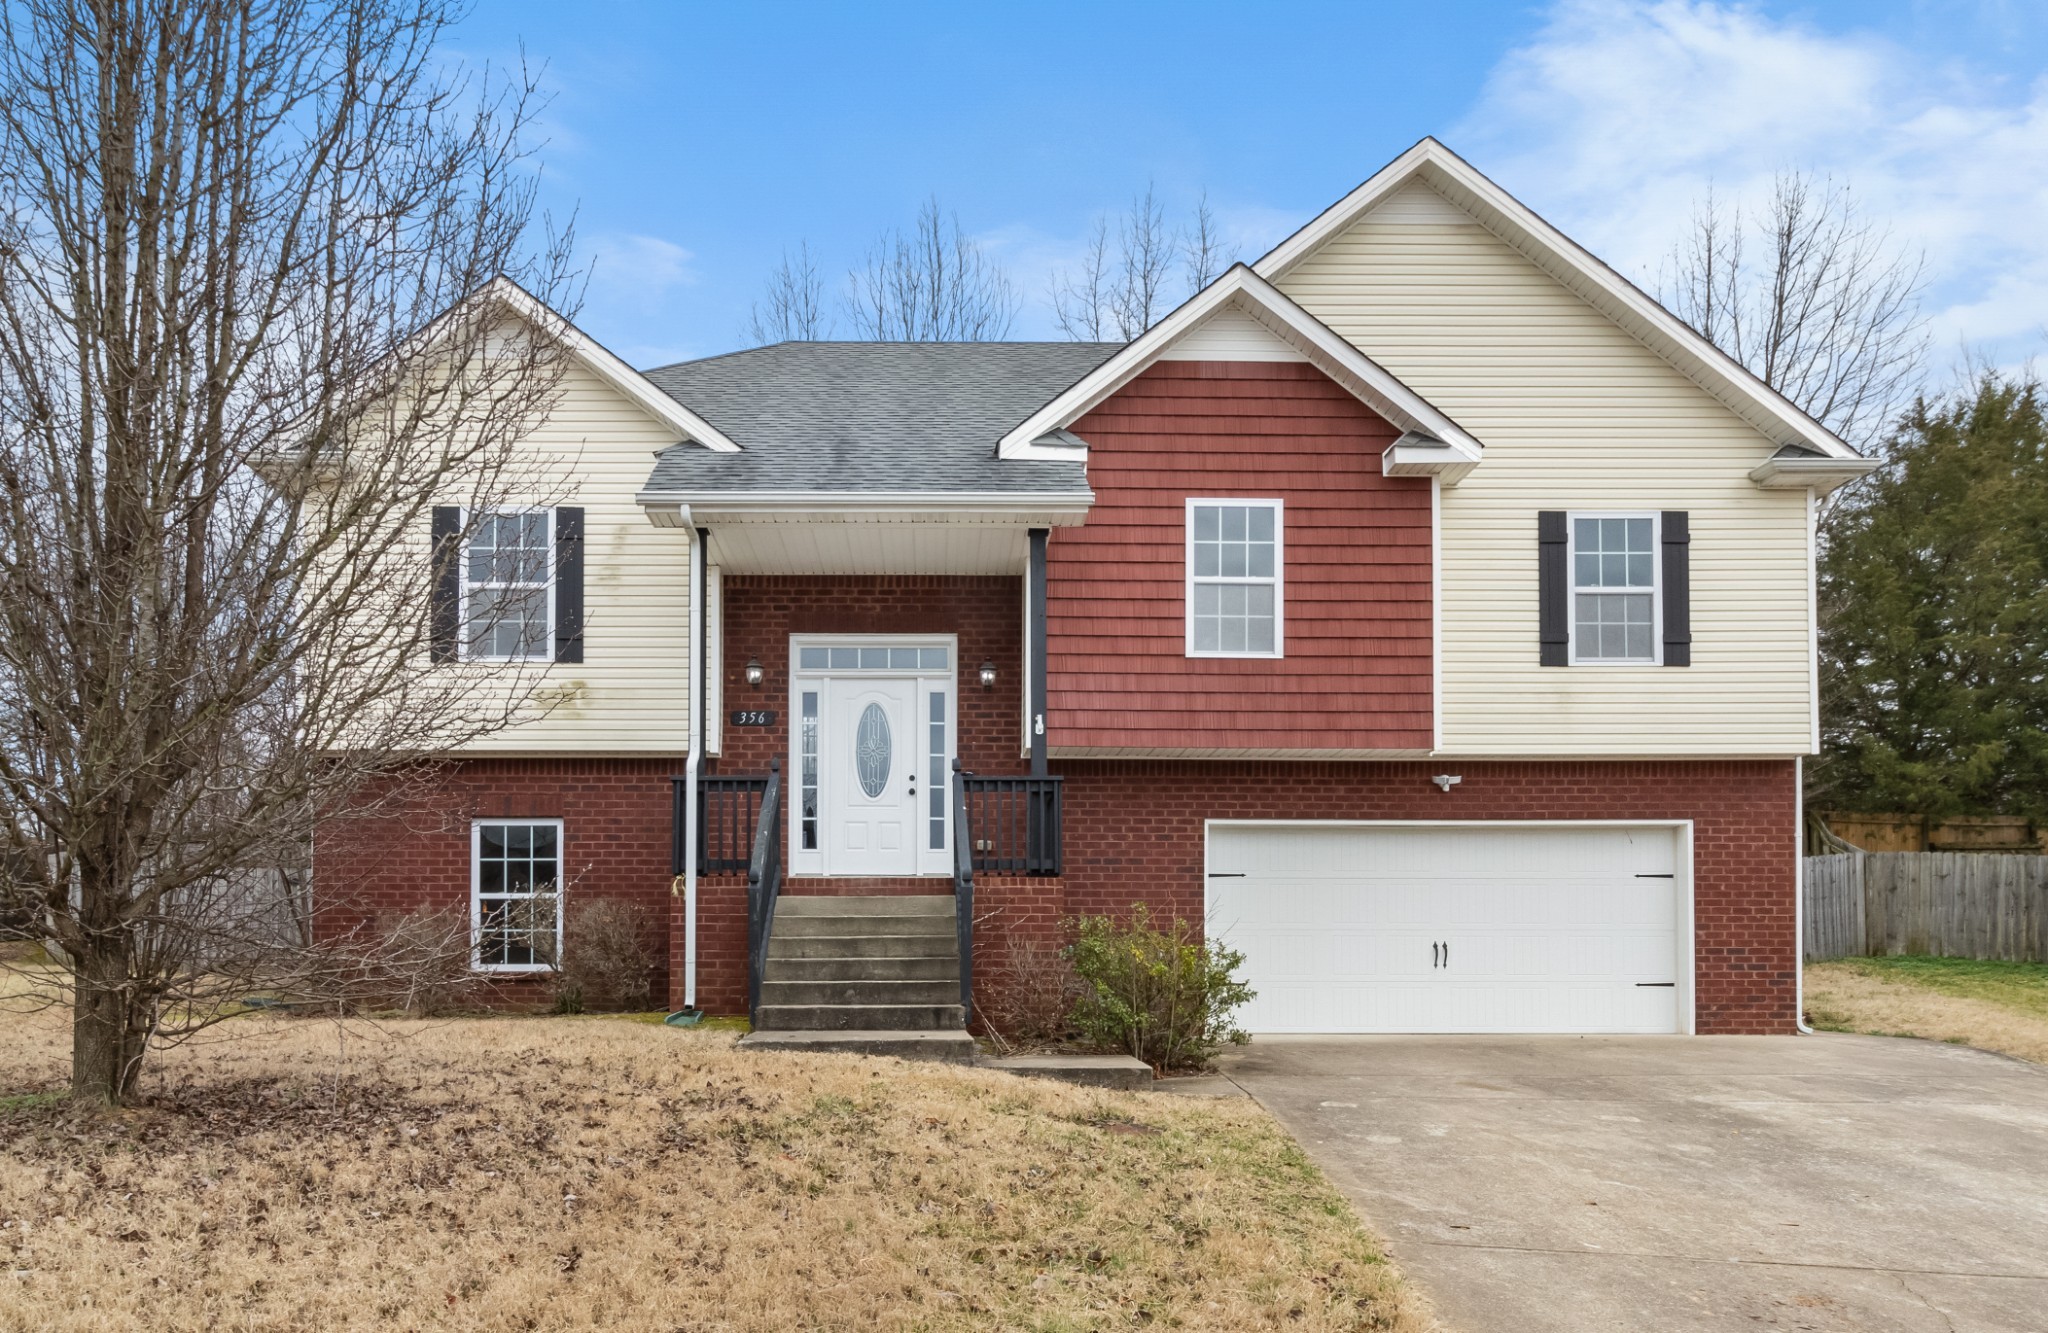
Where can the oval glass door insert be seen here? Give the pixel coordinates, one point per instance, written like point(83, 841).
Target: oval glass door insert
point(871, 750)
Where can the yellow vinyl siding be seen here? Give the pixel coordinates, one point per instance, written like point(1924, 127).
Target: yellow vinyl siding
point(1575, 415)
point(630, 691)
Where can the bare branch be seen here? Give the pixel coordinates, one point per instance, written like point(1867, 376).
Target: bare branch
point(1828, 313)
point(933, 285)
point(793, 309)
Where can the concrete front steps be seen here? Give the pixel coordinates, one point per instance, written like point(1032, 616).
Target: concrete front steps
point(881, 964)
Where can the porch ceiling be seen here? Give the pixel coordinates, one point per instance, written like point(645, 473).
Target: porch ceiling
point(754, 546)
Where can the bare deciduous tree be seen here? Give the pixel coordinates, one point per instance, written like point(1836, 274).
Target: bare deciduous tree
point(1824, 307)
point(1125, 284)
point(793, 309)
point(242, 352)
point(1205, 251)
point(933, 284)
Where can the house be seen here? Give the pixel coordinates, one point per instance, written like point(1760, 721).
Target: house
point(1422, 608)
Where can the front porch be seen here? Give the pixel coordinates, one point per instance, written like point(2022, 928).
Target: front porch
point(868, 742)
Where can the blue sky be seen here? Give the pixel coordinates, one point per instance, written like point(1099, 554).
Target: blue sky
point(695, 142)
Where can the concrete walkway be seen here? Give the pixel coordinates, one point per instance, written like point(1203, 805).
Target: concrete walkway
point(1580, 1184)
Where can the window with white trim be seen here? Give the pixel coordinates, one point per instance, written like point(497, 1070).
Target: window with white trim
point(1234, 565)
point(507, 576)
point(516, 894)
point(1614, 588)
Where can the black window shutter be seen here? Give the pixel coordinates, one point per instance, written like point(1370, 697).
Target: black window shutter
point(444, 614)
point(569, 584)
point(1553, 616)
point(1677, 588)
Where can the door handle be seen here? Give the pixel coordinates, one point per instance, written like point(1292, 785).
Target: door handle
point(1447, 953)
point(1434, 960)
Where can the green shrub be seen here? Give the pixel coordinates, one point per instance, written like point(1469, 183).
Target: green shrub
point(1161, 993)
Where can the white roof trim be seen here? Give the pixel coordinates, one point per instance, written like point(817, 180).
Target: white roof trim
point(1798, 470)
point(1415, 455)
point(1007, 508)
point(1726, 379)
point(1367, 380)
point(601, 361)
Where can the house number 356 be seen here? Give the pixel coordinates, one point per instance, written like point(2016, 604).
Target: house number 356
point(753, 717)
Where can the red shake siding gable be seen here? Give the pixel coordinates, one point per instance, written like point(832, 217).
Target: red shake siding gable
point(1356, 552)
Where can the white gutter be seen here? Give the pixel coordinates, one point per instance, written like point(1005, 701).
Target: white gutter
point(1799, 907)
point(914, 502)
point(693, 764)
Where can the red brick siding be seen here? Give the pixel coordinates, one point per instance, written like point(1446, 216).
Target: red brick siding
point(1135, 831)
point(1356, 550)
point(397, 853)
point(760, 612)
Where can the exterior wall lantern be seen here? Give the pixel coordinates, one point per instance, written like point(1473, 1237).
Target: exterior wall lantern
point(755, 675)
point(988, 675)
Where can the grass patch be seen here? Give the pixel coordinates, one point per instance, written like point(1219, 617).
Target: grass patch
point(1989, 1005)
point(487, 1174)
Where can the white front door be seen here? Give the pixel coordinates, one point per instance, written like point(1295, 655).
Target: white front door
point(870, 773)
point(1454, 927)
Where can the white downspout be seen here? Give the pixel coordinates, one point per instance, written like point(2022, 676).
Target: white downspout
point(693, 764)
point(1799, 887)
point(1799, 763)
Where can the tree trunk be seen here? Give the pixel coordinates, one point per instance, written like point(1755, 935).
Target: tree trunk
point(107, 1038)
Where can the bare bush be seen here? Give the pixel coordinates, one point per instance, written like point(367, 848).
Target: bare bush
point(608, 957)
point(1026, 994)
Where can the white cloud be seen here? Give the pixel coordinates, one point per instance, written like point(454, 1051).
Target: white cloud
point(634, 285)
point(637, 272)
point(1618, 115)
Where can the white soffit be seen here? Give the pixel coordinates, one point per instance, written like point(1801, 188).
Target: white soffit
point(1462, 185)
point(1239, 296)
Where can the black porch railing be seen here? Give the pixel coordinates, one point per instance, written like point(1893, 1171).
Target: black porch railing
point(728, 808)
point(1011, 825)
point(764, 884)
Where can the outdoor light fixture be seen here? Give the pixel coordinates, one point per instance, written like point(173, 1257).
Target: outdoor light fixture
point(755, 675)
point(988, 675)
point(1446, 781)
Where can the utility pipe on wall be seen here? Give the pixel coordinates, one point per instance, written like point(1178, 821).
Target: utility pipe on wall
point(698, 564)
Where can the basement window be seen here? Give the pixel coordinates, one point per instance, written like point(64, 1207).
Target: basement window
point(516, 895)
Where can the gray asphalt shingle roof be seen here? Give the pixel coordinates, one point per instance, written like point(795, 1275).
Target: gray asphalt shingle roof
point(864, 416)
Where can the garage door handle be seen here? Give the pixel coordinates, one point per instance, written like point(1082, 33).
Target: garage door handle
point(1666, 984)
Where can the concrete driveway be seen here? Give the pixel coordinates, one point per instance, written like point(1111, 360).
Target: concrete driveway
point(1680, 1183)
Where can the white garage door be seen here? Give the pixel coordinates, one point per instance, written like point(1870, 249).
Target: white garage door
point(1460, 928)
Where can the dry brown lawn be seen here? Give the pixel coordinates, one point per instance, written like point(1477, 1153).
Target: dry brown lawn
point(1994, 1007)
point(546, 1173)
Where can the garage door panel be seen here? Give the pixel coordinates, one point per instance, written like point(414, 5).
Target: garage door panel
point(1548, 928)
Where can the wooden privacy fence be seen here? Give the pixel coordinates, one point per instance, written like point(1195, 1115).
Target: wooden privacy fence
point(1949, 904)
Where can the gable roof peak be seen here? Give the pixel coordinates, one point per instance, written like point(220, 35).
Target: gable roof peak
point(1577, 269)
point(1043, 434)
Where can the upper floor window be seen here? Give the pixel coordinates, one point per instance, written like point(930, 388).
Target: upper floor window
point(1234, 578)
point(1614, 588)
point(507, 577)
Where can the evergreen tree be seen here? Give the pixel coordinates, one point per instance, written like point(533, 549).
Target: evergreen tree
point(1934, 608)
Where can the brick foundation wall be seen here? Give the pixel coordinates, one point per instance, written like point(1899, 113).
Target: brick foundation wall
point(398, 852)
point(1134, 832)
